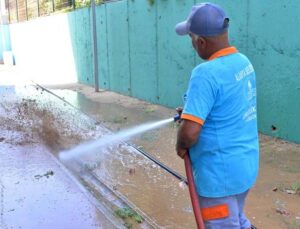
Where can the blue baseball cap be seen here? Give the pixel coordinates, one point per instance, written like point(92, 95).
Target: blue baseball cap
point(206, 19)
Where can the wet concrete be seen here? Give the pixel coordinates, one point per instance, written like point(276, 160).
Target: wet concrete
point(138, 181)
point(150, 188)
point(43, 119)
point(269, 204)
point(36, 191)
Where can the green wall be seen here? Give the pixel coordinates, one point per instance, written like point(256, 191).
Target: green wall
point(140, 55)
point(274, 48)
point(80, 34)
point(138, 51)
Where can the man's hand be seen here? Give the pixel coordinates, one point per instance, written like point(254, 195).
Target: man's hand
point(181, 152)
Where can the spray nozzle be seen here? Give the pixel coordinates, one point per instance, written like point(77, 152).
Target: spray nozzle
point(177, 117)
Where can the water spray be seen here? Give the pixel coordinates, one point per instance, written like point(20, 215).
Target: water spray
point(149, 156)
point(109, 140)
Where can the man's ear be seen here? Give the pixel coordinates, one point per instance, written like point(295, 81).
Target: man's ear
point(201, 42)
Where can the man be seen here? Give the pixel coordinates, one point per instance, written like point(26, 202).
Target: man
point(219, 124)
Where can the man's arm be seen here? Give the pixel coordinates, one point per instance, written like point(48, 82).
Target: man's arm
point(187, 136)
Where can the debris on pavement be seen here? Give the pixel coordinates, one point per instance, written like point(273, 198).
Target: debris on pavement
point(289, 191)
point(47, 174)
point(282, 211)
point(182, 185)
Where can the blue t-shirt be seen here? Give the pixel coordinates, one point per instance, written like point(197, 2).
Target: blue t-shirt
point(222, 96)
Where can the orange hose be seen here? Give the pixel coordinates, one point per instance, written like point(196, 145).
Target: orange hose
point(193, 193)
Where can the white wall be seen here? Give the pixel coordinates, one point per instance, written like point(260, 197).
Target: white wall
point(43, 50)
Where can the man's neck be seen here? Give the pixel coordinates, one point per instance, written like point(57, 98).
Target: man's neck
point(218, 47)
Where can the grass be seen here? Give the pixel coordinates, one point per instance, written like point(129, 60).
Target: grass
point(296, 187)
point(149, 109)
point(127, 213)
point(119, 120)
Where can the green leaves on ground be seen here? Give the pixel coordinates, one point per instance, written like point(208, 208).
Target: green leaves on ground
point(296, 187)
point(128, 213)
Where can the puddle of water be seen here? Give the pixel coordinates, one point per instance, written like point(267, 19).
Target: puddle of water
point(35, 192)
point(30, 199)
point(141, 181)
point(279, 166)
point(138, 179)
point(121, 167)
point(151, 189)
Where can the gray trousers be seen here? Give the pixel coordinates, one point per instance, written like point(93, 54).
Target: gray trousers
point(225, 212)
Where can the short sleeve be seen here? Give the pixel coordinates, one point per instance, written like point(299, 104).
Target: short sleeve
point(200, 97)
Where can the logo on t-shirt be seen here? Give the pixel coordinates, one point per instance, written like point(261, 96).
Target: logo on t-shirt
point(244, 72)
point(251, 91)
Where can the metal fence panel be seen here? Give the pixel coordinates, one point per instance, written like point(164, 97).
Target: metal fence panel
point(12, 11)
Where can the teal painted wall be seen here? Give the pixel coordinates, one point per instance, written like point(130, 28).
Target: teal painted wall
point(81, 37)
point(140, 55)
point(274, 48)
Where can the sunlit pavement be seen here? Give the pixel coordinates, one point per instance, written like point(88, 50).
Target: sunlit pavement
point(36, 191)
